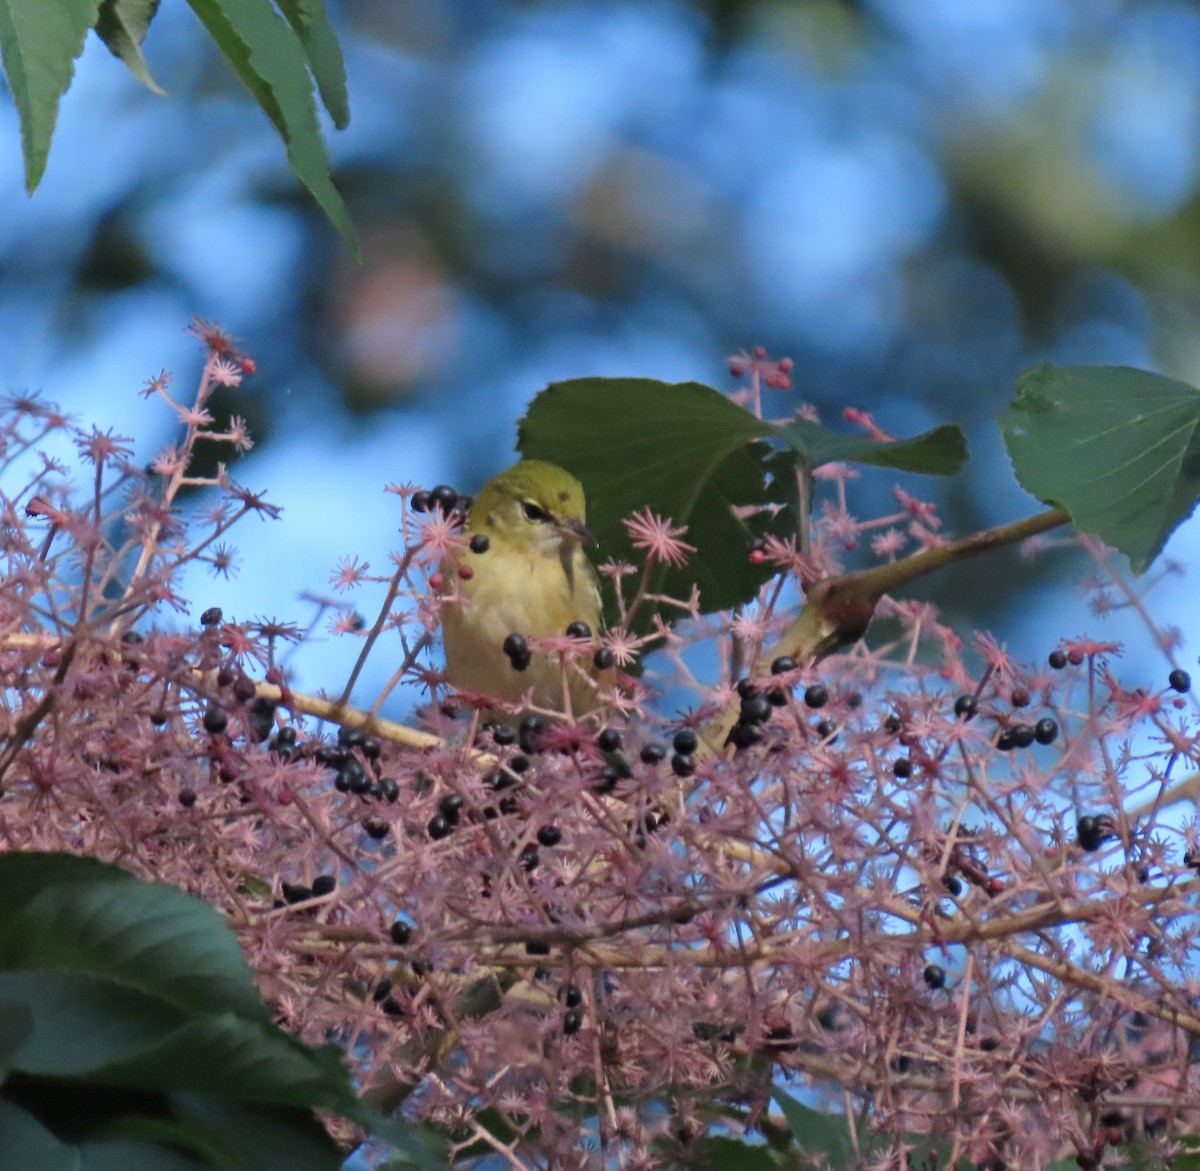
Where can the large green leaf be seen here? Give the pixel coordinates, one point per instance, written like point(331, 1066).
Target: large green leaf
point(681, 449)
point(39, 41)
point(1114, 447)
point(122, 27)
point(130, 1014)
point(270, 58)
point(940, 452)
point(84, 916)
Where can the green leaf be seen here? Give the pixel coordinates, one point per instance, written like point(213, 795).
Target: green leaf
point(39, 41)
point(1114, 447)
point(814, 1132)
point(122, 27)
point(310, 23)
point(266, 1138)
point(76, 913)
point(680, 449)
point(270, 59)
point(719, 1153)
point(940, 452)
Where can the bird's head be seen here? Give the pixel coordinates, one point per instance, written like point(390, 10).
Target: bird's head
point(535, 504)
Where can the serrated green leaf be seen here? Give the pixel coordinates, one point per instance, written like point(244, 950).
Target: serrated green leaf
point(1116, 448)
point(271, 61)
point(311, 24)
point(940, 452)
point(680, 449)
point(814, 1132)
point(78, 914)
point(39, 42)
point(122, 27)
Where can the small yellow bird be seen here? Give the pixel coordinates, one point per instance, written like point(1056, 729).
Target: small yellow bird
point(529, 577)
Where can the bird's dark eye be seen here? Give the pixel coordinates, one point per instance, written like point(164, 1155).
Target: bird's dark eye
point(533, 512)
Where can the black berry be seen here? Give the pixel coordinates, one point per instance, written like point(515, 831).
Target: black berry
point(683, 764)
point(685, 741)
point(935, 976)
point(1091, 833)
point(609, 740)
point(215, 719)
point(211, 617)
point(450, 807)
point(783, 664)
point(603, 659)
point(579, 630)
point(744, 735)
point(529, 732)
point(549, 835)
point(324, 884)
point(817, 695)
point(400, 932)
point(1180, 680)
point(1045, 731)
point(1058, 660)
point(902, 768)
point(965, 706)
point(652, 753)
point(480, 543)
point(439, 828)
point(756, 709)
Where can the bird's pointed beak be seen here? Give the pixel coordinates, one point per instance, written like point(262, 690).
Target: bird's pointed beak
point(578, 530)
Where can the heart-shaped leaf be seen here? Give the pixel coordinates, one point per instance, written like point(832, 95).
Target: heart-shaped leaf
point(1114, 447)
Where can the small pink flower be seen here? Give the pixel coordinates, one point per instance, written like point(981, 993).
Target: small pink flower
point(658, 538)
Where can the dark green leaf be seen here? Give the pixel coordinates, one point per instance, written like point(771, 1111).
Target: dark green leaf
point(940, 452)
point(122, 27)
point(83, 1023)
point(39, 42)
point(229, 1057)
point(78, 914)
point(266, 1138)
point(29, 1146)
point(718, 1153)
point(1116, 448)
point(814, 1132)
point(311, 25)
point(682, 450)
point(271, 61)
point(16, 1027)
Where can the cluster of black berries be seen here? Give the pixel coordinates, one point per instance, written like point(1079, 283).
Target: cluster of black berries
point(297, 892)
point(443, 499)
point(501, 780)
point(1045, 731)
point(516, 648)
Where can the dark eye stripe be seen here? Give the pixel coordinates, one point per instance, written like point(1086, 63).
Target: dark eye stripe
point(533, 512)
